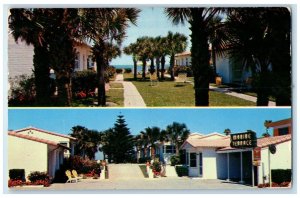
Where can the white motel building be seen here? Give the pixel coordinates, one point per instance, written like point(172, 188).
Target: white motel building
point(211, 156)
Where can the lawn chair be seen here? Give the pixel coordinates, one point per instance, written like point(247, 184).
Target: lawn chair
point(70, 178)
point(153, 79)
point(74, 173)
point(182, 77)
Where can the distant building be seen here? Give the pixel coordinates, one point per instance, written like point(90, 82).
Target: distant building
point(281, 127)
point(35, 149)
point(230, 70)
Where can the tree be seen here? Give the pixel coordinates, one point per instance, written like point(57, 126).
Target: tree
point(176, 44)
point(103, 25)
point(177, 133)
point(133, 50)
point(198, 18)
point(29, 26)
point(88, 141)
point(118, 143)
point(143, 53)
point(151, 136)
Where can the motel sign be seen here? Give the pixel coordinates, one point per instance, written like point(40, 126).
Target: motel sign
point(243, 140)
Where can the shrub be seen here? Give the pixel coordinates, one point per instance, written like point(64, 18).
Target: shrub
point(175, 160)
point(144, 159)
point(181, 171)
point(84, 82)
point(281, 175)
point(128, 70)
point(22, 91)
point(17, 174)
point(183, 69)
point(38, 176)
point(119, 71)
point(156, 166)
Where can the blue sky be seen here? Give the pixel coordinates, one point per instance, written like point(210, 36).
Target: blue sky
point(151, 22)
point(203, 120)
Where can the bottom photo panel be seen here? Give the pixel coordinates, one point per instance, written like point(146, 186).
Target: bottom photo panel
point(149, 149)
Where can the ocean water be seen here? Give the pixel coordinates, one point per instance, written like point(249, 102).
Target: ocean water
point(139, 67)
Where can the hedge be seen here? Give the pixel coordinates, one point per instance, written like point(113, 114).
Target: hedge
point(182, 171)
point(281, 175)
point(17, 174)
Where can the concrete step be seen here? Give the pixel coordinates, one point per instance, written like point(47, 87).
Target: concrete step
point(170, 171)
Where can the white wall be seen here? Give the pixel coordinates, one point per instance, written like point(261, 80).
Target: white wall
point(20, 58)
point(26, 154)
point(84, 52)
point(209, 163)
point(282, 159)
point(50, 137)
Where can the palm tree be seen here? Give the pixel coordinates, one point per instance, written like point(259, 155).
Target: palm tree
point(132, 49)
point(103, 25)
point(143, 52)
point(151, 135)
point(176, 43)
point(177, 133)
point(249, 42)
point(198, 18)
point(217, 39)
point(29, 25)
point(163, 45)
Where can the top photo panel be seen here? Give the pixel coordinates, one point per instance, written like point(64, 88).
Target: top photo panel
point(149, 57)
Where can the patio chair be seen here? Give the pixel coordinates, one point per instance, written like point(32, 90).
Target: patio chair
point(74, 173)
point(70, 178)
point(153, 79)
point(182, 77)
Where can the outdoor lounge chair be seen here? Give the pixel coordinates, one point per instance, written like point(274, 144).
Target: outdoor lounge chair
point(74, 173)
point(153, 79)
point(70, 178)
point(182, 77)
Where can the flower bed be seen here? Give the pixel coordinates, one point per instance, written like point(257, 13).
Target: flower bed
point(266, 185)
point(14, 183)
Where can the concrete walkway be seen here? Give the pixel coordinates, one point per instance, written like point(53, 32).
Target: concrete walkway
point(124, 172)
point(132, 97)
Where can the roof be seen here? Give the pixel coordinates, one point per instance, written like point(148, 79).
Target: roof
point(28, 137)
point(44, 131)
point(183, 54)
point(280, 122)
point(266, 141)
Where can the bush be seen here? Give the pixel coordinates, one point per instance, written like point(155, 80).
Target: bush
point(182, 171)
point(144, 159)
point(119, 71)
point(17, 174)
point(22, 91)
point(156, 166)
point(280, 175)
point(15, 182)
point(175, 160)
point(38, 176)
point(84, 82)
point(183, 69)
point(128, 70)
point(110, 71)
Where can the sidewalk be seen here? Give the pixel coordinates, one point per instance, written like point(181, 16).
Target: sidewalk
point(132, 98)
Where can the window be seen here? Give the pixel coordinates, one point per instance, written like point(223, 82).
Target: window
point(193, 160)
point(186, 62)
point(283, 131)
point(200, 164)
point(77, 61)
point(170, 149)
point(90, 63)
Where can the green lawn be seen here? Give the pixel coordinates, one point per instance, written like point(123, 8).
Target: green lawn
point(116, 94)
point(169, 93)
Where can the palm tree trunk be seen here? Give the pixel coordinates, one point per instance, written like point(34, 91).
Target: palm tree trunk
point(157, 66)
point(163, 61)
point(172, 66)
point(262, 87)
point(200, 58)
point(152, 65)
point(214, 59)
point(144, 69)
point(134, 69)
point(98, 51)
point(64, 90)
point(42, 75)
